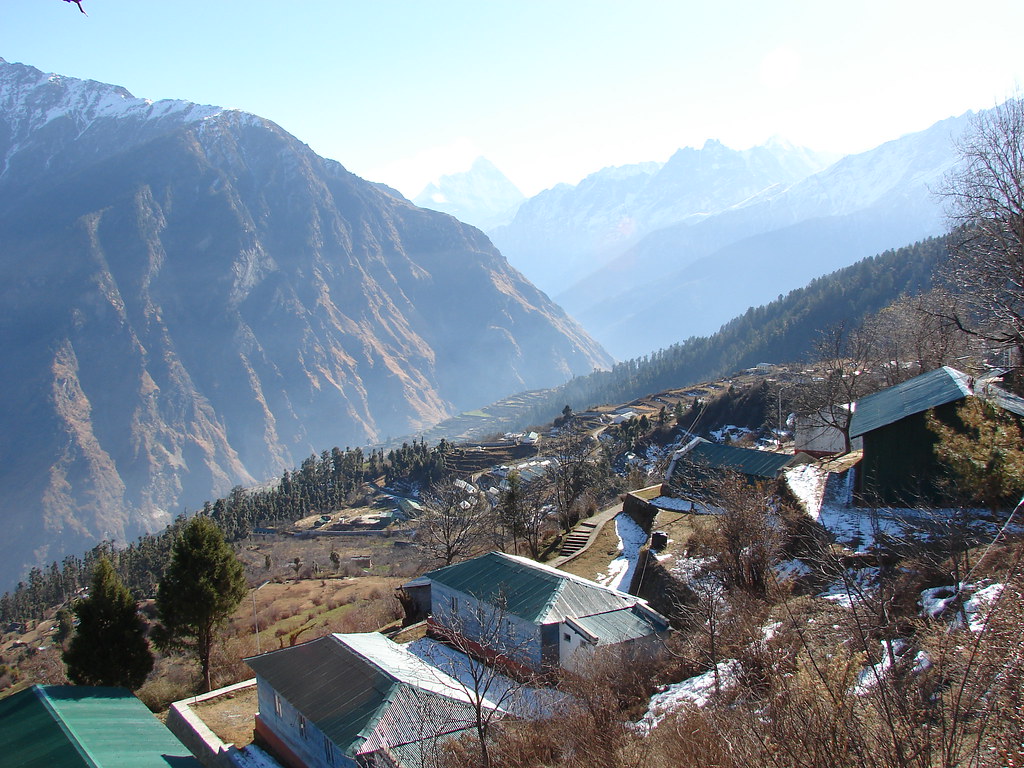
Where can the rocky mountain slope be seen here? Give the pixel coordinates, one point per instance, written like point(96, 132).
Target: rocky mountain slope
point(190, 298)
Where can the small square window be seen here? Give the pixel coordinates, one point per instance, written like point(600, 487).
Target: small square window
point(568, 637)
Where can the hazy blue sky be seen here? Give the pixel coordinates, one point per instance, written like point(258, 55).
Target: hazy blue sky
point(401, 92)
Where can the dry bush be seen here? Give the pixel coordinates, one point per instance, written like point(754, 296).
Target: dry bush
point(593, 728)
point(173, 678)
point(699, 738)
point(227, 659)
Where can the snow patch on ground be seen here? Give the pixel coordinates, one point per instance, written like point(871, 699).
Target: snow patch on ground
point(981, 604)
point(936, 600)
point(689, 569)
point(671, 504)
point(872, 674)
point(855, 584)
point(828, 499)
point(730, 431)
point(807, 482)
point(697, 692)
point(251, 756)
point(631, 539)
point(789, 570)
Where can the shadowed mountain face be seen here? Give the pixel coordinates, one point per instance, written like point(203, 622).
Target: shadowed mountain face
point(192, 299)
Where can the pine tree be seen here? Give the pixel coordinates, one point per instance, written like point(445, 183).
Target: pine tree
point(202, 586)
point(985, 455)
point(109, 646)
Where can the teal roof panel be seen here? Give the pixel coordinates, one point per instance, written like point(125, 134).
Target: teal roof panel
point(525, 592)
point(619, 626)
point(746, 461)
point(64, 726)
point(351, 686)
point(929, 390)
point(527, 589)
point(330, 685)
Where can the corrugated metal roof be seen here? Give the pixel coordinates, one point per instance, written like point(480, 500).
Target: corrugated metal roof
point(63, 726)
point(1005, 400)
point(746, 461)
point(528, 589)
point(619, 626)
point(347, 685)
point(929, 390)
point(412, 715)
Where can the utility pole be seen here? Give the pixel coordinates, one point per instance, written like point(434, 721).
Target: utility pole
point(255, 620)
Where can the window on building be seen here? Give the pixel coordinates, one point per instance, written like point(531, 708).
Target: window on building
point(328, 750)
point(302, 726)
point(277, 705)
point(567, 636)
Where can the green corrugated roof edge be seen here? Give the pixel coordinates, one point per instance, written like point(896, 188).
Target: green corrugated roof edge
point(929, 390)
point(745, 460)
point(64, 725)
point(618, 626)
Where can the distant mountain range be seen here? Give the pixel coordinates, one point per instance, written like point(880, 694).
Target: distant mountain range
point(482, 196)
point(646, 256)
point(564, 234)
point(190, 298)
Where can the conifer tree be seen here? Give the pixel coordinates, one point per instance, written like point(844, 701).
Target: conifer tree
point(202, 586)
point(109, 646)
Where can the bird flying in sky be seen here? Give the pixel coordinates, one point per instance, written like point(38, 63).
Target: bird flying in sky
point(78, 3)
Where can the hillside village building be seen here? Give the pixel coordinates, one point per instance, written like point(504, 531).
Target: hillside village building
point(701, 459)
point(899, 467)
point(530, 617)
point(356, 700)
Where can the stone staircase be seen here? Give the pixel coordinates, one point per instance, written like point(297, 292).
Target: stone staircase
point(578, 539)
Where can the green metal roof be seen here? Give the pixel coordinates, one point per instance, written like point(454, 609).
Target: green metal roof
point(528, 589)
point(346, 684)
point(746, 461)
point(619, 626)
point(63, 726)
point(929, 390)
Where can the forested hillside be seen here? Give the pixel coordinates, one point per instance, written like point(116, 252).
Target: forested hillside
point(786, 330)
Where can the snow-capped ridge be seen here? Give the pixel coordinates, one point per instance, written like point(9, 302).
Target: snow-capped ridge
point(31, 99)
point(482, 195)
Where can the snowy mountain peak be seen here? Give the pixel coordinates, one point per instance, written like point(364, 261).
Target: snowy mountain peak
point(30, 99)
point(52, 114)
point(482, 196)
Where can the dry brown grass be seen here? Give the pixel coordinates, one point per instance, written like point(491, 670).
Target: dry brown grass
point(309, 608)
point(231, 716)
